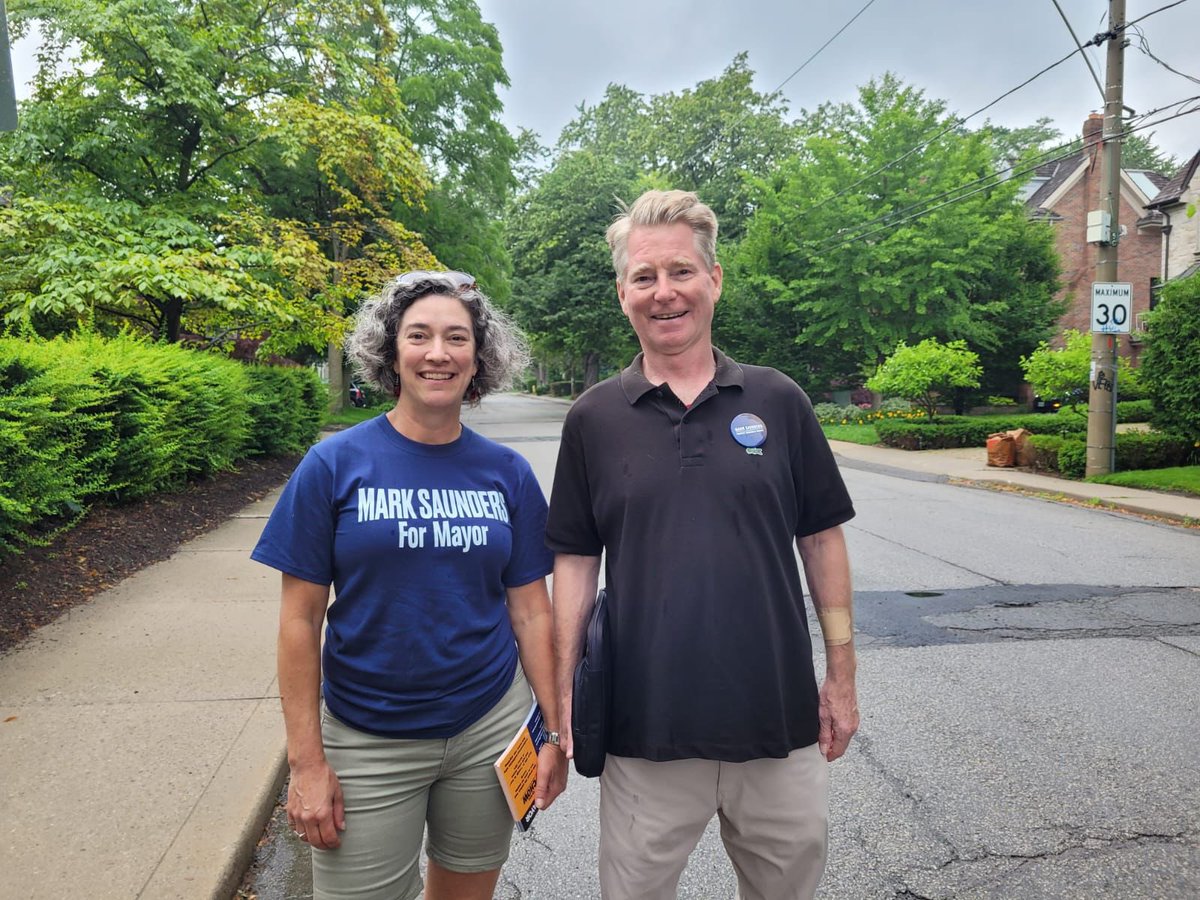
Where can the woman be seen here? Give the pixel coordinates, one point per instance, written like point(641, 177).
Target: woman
point(432, 537)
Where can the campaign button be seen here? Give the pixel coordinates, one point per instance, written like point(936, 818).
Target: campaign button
point(748, 430)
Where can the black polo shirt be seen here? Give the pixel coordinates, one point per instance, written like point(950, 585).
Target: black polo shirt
point(712, 656)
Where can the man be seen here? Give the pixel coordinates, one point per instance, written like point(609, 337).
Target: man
point(695, 474)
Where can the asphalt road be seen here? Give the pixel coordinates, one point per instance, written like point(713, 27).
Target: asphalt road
point(1030, 687)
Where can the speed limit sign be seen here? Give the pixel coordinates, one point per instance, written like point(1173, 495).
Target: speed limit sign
point(1112, 307)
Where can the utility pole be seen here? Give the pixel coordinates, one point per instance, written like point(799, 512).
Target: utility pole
point(1102, 393)
point(8, 97)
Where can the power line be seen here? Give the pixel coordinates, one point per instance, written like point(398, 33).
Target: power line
point(1154, 12)
point(1065, 151)
point(1144, 46)
point(725, 132)
point(955, 124)
point(859, 235)
point(804, 64)
point(1088, 62)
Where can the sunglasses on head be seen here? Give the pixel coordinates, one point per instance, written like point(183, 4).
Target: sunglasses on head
point(461, 280)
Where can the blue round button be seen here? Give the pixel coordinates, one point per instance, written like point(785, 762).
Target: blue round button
point(748, 430)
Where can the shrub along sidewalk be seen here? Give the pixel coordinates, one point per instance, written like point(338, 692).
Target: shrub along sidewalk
point(92, 420)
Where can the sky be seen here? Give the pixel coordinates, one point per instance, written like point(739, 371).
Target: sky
point(561, 53)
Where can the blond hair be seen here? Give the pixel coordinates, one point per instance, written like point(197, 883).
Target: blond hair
point(664, 208)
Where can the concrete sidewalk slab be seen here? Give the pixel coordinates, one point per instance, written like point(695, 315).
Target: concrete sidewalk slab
point(141, 733)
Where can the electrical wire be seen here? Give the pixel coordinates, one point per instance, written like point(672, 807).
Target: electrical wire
point(921, 146)
point(1046, 157)
point(1154, 12)
point(725, 132)
point(867, 229)
point(1074, 37)
point(1144, 46)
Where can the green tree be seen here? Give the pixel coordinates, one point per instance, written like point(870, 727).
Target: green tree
point(927, 373)
point(1066, 371)
point(304, 118)
point(80, 260)
point(448, 68)
point(879, 232)
point(707, 139)
point(1168, 368)
point(1138, 151)
point(567, 299)
point(183, 110)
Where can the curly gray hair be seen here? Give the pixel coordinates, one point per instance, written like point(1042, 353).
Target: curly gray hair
point(501, 352)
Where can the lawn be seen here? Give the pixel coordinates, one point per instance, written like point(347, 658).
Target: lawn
point(351, 415)
point(1180, 479)
point(854, 434)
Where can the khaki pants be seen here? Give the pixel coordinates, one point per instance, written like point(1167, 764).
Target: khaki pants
point(774, 823)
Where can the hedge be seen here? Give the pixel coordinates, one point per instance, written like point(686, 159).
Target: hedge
point(968, 431)
point(973, 431)
point(92, 420)
point(1135, 450)
point(1127, 411)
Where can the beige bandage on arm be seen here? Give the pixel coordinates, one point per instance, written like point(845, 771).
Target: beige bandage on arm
point(837, 625)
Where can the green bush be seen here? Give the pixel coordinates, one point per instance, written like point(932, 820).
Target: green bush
point(1152, 450)
point(1127, 411)
point(1134, 411)
point(1170, 376)
point(1135, 450)
point(1072, 458)
point(93, 420)
point(1045, 451)
point(967, 431)
point(287, 405)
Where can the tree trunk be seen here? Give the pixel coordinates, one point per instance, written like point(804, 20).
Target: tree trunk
point(333, 352)
point(337, 378)
point(591, 368)
point(172, 317)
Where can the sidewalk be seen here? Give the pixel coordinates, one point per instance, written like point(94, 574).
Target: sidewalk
point(141, 735)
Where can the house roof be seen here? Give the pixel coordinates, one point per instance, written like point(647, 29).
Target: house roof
point(1172, 191)
point(1054, 173)
point(1049, 177)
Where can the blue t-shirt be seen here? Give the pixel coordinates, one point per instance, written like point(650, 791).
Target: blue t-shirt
point(420, 543)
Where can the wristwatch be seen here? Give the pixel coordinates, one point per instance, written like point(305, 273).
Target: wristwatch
point(552, 738)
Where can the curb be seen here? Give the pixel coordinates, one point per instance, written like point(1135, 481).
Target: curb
point(214, 847)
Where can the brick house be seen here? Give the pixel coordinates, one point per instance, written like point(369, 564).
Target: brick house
point(1063, 192)
point(1180, 232)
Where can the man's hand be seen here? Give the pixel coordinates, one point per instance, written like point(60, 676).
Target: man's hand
point(315, 809)
point(838, 716)
point(551, 776)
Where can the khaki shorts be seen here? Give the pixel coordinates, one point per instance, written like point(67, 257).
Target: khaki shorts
point(774, 823)
point(394, 788)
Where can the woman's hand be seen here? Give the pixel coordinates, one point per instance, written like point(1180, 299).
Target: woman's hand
point(551, 776)
point(315, 809)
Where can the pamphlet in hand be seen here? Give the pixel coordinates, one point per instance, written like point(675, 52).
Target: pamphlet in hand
point(517, 768)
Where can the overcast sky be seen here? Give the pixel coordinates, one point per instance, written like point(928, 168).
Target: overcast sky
point(560, 53)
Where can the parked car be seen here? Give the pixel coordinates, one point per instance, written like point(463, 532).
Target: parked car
point(358, 397)
point(1076, 397)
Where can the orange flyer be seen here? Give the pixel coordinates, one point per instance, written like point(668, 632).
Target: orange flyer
point(517, 768)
